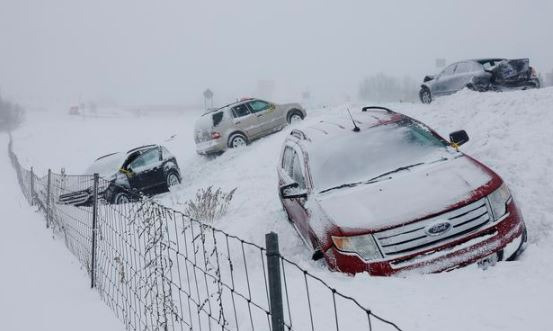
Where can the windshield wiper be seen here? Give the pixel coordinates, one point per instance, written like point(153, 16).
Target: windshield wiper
point(374, 179)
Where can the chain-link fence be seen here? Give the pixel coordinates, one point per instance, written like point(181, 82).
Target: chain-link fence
point(159, 269)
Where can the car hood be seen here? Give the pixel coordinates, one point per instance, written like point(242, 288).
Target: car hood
point(407, 196)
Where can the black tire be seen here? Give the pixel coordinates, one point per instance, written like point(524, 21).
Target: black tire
point(425, 95)
point(237, 140)
point(294, 115)
point(121, 197)
point(172, 179)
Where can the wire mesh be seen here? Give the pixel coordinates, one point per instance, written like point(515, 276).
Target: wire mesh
point(159, 269)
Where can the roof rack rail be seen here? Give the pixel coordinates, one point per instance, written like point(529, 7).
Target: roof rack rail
point(298, 134)
point(378, 107)
point(141, 147)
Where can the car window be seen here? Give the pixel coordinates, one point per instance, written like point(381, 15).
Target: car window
point(287, 160)
point(297, 173)
point(217, 118)
point(449, 70)
point(240, 110)
point(462, 67)
point(259, 105)
point(147, 159)
point(165, 153)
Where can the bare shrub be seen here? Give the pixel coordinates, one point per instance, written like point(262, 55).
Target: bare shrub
point(209, 204)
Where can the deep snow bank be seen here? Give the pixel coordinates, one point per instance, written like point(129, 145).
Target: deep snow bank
point(509, 132)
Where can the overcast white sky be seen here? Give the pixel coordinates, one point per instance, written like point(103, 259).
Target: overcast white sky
point(169, 51)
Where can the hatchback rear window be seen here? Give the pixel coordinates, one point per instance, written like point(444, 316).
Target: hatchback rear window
point(217, 118)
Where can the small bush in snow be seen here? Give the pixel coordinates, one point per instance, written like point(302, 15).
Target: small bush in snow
point(209, 204)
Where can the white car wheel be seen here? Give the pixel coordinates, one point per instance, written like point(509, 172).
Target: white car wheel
point(295, 118)
point(238, 141)
point(172, 180)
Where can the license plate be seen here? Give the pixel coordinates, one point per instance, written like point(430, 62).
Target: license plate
point(488, 261)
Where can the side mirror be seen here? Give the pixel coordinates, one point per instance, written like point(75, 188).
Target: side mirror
point(292, 191)
point(458, 137)
point(428, 78)
point(127, 171)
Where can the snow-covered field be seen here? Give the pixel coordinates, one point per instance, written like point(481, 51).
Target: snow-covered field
point(42, 286)
point(509, 132)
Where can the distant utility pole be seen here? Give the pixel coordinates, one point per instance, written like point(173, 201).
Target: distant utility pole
point(208, 96)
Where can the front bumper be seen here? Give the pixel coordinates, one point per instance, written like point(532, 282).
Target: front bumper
point(505, 237)
point(211, 146)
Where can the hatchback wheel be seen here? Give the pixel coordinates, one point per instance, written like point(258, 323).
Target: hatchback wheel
point(121, 198)
point(172, 180)
point(425, 96)
point(238, 141)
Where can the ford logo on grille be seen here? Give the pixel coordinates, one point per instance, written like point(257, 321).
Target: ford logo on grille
point(438, 228)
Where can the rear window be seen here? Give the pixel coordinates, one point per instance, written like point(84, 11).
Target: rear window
point(217, 118)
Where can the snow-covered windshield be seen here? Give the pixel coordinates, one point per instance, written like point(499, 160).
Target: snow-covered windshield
point(361, 156)
point(107, 165)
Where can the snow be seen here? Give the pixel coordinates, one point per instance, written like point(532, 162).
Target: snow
point(509, 132)
point(375, 205)
point(42, 286)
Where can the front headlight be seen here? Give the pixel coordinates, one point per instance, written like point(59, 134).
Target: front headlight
point(498, 201)
point(364, 245)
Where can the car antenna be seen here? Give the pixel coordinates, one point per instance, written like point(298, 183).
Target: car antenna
point(355, 127)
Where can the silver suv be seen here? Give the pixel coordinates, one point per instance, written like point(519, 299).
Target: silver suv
point(239, 123)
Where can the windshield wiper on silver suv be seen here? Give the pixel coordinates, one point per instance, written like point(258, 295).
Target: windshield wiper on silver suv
point(374, 179)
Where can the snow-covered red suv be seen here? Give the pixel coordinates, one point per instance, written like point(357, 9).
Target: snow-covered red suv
point(388, 195)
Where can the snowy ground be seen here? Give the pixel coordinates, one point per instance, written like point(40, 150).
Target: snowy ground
point(509, 132)
point(42, 286)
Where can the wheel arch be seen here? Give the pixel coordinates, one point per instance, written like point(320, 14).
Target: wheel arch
point(293, 110)
point(237, 132)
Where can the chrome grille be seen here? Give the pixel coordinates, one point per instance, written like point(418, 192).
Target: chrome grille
point(415, 236)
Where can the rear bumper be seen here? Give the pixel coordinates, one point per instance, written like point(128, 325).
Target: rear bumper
point(213, 146)
point(504, 237)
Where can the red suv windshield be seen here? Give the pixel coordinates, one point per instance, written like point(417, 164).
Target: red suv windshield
point(361, 156)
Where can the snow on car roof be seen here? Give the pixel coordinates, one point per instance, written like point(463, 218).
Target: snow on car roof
point(140, 148)
point(327, 129)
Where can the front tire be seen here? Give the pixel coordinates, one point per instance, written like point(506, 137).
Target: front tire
point(172, 179)
point(237, 140)
point(425, 95)
point(294, 116)
point(121, 198)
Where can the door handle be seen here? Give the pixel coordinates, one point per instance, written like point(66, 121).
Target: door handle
point(260, 115)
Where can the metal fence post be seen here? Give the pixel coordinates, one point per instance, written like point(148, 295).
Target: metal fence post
point(275, 286)
point(48, 192)
point(94, 230)
point(32, 187)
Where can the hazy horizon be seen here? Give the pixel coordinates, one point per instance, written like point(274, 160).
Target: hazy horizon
point(65, 52)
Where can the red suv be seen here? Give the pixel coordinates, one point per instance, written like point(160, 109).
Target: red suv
point(384, 193)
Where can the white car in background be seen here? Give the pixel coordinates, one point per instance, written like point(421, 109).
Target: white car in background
point(239, 123)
